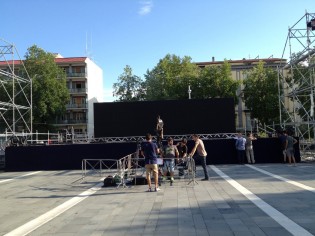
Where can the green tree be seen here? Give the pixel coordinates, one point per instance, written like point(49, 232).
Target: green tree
point(170, 78)
point(261, 94)
point(216, 81)
point(50, 93)
point(129, 87)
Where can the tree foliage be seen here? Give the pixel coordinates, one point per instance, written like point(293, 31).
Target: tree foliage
point(215, 82)
point(129, 87)
point(50, 93)
point(170, 78)
point(261, 94)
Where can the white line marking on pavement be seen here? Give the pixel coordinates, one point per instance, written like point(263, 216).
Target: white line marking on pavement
point(288, 224)
point(48, 216)
point(19, 177)
point(284, 179)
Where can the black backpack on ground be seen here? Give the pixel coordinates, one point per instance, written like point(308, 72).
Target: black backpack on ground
point(109, 181)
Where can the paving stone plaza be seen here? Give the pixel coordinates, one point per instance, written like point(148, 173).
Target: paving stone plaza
point(262, 199)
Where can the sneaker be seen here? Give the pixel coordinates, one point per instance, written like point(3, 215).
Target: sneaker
point(157, 189)
point(149, 190)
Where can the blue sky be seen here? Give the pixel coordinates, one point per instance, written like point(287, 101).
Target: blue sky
point(140, 33)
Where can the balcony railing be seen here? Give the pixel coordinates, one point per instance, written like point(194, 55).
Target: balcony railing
point(74, 106)
point(82, 75)
point(71, 121)
point(78, 90)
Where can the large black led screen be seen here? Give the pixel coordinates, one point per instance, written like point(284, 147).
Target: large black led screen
point(180, 117)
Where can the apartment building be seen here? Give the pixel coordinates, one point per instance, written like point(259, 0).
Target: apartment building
point(238, 69)
point(85, 84)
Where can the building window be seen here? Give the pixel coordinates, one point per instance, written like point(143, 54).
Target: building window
point(65, 69)
point(79, 116)
point(78, 69)
point(78, 131)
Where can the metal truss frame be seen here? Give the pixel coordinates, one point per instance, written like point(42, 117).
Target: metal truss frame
point(17, 139)
point(16, 102)
point(141, 138)
point(295, 96)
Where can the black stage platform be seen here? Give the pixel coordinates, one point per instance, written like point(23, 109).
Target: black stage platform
point(123, 119)
point(68, 157)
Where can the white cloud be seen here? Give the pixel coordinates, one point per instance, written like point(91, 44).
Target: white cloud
point(146, 7)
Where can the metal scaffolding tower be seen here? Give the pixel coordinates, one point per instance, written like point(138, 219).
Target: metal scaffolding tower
point(297, 80)
point(15, 93)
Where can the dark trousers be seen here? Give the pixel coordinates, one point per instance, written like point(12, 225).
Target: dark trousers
point(159, 138)
point(241, 156)
point(203, 162)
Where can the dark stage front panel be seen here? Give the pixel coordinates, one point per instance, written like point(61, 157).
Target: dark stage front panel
point(67, 157)
point(205, 116)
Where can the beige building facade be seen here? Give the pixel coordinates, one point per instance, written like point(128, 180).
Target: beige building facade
point(244, 123)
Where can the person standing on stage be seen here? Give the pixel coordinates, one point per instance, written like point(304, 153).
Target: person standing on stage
point(159, 131)
point(150, 150)
point(240, 147)
point(201, 154)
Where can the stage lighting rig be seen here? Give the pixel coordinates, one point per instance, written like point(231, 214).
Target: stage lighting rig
point(311, 24)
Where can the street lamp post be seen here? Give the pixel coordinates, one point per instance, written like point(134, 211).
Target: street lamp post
point(189, 92)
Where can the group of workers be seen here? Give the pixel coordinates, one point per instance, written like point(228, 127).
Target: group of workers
point(152, 151)
point(169, 152)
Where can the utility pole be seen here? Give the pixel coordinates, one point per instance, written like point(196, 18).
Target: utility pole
point(189, 92)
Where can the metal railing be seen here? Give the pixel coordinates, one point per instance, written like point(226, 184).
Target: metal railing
point(72, 121)
point(78, 90)
point(77, 105)
point(74, 74)
point(130, 167)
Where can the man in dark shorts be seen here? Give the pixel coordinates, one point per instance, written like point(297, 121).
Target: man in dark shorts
point(182, 150)
point(170, 152)
point(182, 155)
point(150, 150)
point(201, 154)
